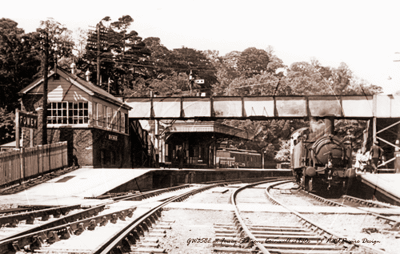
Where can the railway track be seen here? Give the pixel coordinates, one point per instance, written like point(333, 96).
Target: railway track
point(133, 223)
point(394, 223)
point(106, 223)
point(19, 223)
point(24, 222)
point(325, 233)
point(305, 236)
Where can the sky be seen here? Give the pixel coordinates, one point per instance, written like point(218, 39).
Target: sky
point(363, 34)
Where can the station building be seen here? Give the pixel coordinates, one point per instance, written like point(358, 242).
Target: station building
point(94, 122)
point(200, 141)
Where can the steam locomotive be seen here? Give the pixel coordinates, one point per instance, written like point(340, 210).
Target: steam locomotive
point(320, 160)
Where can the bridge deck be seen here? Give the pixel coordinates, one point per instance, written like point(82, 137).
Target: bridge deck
point(264, 107)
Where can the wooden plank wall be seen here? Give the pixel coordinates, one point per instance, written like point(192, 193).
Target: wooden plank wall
point(35, 161)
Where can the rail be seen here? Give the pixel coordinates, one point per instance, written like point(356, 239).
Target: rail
point(239, 219)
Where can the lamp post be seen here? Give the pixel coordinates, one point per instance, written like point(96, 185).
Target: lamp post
point(281, 72)
point(263, 152)
point(191, 80)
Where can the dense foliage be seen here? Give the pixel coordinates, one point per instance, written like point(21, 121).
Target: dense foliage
point(132, 66)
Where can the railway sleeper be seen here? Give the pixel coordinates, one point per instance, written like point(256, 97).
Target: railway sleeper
point(228, 235)
point(302, 246)
point(149, 242)
point(52, 237)
point(147, 250)
point(30, 219)
point(162, 227)
point(280, 251)
point(155, 234)
point(277, 227)
point(225, 231)
point(258, 229)
point(266, 233)
point(238, 244)
point(35, 245)
point(152, 239)
point(156, 230)
point(13, 223)
point(146, 244)
point(123, 247)
point(309, 237)
point(234, 250)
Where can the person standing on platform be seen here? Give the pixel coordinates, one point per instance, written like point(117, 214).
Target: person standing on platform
point(376, 155)
point(359, 161)
point(180, 156)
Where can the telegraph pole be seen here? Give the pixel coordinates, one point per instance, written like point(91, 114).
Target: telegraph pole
point(98, 54)
point(45, 59)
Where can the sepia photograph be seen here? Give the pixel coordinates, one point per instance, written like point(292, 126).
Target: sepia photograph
point(190, 127)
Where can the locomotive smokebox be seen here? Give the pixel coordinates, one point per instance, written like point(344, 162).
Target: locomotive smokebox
point(329, 124)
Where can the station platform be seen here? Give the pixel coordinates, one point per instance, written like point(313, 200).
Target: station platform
point(73, 187)
point(82, 185)
point(384, 187)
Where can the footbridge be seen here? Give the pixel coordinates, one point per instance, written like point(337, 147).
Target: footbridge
point(264, 107)
point(383, 111)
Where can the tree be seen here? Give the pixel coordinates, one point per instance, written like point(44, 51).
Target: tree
point(226, 67)
point(58, 39)
point(122, 54)
point(80, 42)
point(158, 64)
point(195, 63)
point(284, 152)
point(253, 61)
point(261, 84)
point(18, 62)
point(7, 131)
point(171, 85)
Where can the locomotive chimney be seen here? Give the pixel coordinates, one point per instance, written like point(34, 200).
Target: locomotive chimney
point(329, 124)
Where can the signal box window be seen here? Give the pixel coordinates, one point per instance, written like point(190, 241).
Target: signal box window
point(67, 113)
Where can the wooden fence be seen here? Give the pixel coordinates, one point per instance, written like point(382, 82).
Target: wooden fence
point(28, 162)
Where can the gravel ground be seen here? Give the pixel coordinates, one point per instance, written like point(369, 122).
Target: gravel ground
point(270, 219)
point(252, 195)
point(192, 224)
point(213, 195)
point(362, 229)
point(292, 197)
point(7, 206)
point(365, 229)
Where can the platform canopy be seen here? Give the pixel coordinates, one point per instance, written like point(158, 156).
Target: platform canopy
point(264, 107)
point(209, 127)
